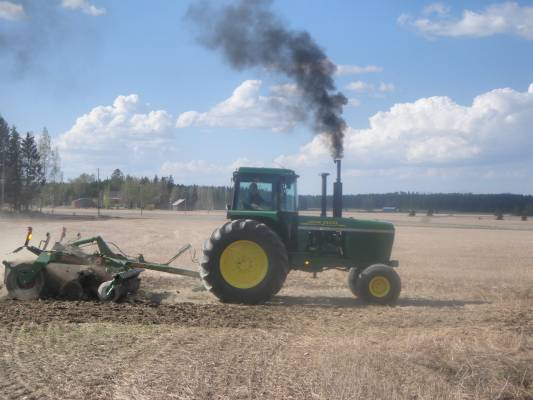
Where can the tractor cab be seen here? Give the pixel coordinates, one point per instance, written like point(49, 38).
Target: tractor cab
point(268, 195)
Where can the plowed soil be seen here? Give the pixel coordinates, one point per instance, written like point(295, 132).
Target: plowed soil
point(462, 329)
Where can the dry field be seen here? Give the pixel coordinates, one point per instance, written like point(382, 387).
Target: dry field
point(463, 328)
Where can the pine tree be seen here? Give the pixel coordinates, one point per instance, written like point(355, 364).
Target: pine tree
point(55, 172)
point(117, 179)
point(32, 170)
point(44, 146)
point(13, 170)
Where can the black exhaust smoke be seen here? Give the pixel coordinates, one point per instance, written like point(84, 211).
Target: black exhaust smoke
point(248, 34)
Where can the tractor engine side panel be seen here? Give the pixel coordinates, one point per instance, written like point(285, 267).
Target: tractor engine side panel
point(341, 242)
point(365, 248)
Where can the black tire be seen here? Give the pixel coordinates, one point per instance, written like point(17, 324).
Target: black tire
point(102, 292)
point(353, 278)
point(72, 290)
point(119, 292)
point(32, 291)
point(116, 294)
point(244, 230)
point(383, 276)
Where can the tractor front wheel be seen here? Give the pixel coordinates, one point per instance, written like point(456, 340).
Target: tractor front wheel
point(244, 262)
point(378, 284)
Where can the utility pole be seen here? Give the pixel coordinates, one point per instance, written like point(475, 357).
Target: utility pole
point(3, 183)
point(141, 189)
point(98, 186)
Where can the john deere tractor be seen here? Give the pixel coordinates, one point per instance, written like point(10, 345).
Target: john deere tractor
point(248, 258)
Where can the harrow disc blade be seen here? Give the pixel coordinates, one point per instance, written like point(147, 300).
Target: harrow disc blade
point(72, 290)
point(17, 290)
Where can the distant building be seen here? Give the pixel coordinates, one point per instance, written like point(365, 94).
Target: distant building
point(83, 202)
point(390, 209)
point(178, 204)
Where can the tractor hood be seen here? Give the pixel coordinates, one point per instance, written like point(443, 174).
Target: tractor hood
point(344, 225)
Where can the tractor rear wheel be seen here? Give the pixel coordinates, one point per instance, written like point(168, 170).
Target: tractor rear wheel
point(353, 277)
point(378, 284)
point(244, 262)
point(24, 291)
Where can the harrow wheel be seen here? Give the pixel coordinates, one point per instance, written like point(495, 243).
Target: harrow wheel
point(119, 291)
point(116, 294)
point(378, 284)
point(244, 262)
point(24, 291)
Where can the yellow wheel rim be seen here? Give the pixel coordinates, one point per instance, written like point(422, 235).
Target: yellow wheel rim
point(379, 286)
point(243, 264)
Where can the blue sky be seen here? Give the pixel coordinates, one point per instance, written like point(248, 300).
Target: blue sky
point(440, 95)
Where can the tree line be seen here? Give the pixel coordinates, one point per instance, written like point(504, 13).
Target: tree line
point(128, 191)
point(160, 192)
point(405, 201)
point(26, 164)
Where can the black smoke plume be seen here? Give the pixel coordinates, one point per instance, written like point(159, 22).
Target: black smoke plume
point(249, 34)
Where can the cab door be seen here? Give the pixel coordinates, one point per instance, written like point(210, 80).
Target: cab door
point(288, 211)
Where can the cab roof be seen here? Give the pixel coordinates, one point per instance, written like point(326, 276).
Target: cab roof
point(263, 171)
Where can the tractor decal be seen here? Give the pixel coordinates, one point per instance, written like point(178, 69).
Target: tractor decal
point(323, 223)
point(324, 228)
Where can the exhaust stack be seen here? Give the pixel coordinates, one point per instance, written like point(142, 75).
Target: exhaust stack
point(324, 204)
point(337, 192)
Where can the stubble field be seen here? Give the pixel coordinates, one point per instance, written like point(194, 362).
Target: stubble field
point(462, 329)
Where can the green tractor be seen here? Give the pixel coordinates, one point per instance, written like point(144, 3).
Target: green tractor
point(248, 258)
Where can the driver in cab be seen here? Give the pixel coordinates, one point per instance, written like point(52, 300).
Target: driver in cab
point(255, 200)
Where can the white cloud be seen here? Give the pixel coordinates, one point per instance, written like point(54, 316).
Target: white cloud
point(285, 90)
point(385, 87)
point(118, 130)
point(202, 171)
point(508, 17)
point(203, 167)
point(365, 87)
point(353, 102)
point(312, 153)
point(495, 128)
point(11, 11)
point(343, 70)
point(84, 6)
point(247, 109)
point(185, 168)
point(436, 8)
point(360, 86)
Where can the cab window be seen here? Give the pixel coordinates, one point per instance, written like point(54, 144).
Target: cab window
point(255, 195)
point(289, 197)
